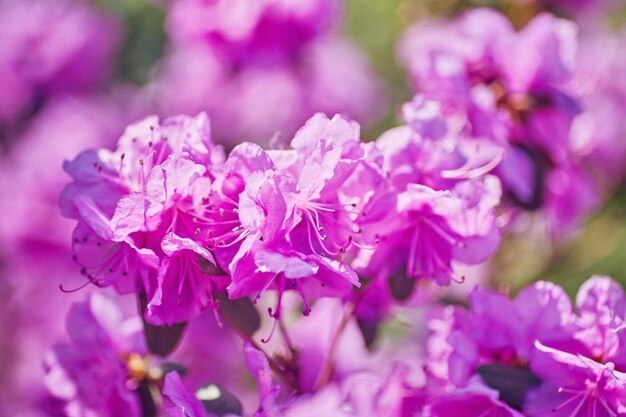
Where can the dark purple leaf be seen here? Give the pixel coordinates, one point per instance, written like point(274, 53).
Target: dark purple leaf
point(240, 313)
point(219, 401)
point(161, 340)
point(401, 286)
point(512, 383)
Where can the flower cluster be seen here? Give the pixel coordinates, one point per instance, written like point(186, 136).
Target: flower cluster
point(260, 68)
point(166, 214)
point(312, 270)
point(514, 89)
point(532, 356)
point(535, 353)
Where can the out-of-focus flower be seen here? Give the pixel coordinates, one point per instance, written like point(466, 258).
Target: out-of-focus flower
point(498, 330)
point(185, 403)
point(248, 30)
point(476, 399)
point(537, 352)
point(65, 126)
point(515, 90)
point(35, 250)
point(263, 67)
point(598, 133)
point(575, 386)
point(98, 372)
point(51, 46)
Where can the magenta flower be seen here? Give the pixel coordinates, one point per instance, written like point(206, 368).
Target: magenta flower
point(473, 400)
point(93, 373)
point(247, 29)
point(427, 231)
point(432, 211)
point(272, 257)
point(515, 90)
point(575, 386)
point(184, 402)
point(182, 288)
point(51, 46)
point(535, 351)
point(261, 68)
point(300, 215)
point(138, 208)
point(601, 320)
point(498, 330)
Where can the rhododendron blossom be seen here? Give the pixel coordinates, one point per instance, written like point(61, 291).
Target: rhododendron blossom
point(222, 226)
point(514, 89)
point(260, 68)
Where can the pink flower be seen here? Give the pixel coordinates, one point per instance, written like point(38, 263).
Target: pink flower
point(245, 29)
point(261, 68)
point(51, 46)
point(90, 373)
point(474, 400)
point(515, 90)
point(139, 209)
point(299, 216)
point(185, 403)
point(601, 319)
point(575, 386)
point(426, 230)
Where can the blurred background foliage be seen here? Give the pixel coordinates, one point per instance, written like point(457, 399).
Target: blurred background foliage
point(376, 26)
point(145, 38)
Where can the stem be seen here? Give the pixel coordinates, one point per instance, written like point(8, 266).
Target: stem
point(329, 364)
point(274, 365)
